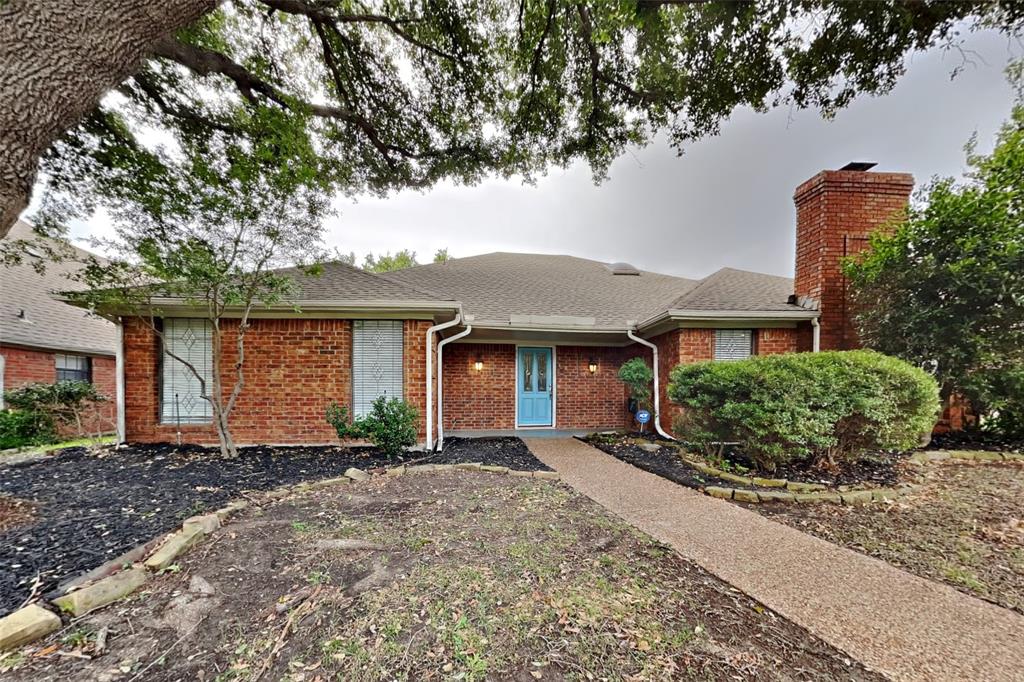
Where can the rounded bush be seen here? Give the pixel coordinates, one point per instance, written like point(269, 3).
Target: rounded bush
point(832, 406)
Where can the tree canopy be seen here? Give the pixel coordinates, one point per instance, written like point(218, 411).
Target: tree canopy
point(946, 288)
point(344, 97)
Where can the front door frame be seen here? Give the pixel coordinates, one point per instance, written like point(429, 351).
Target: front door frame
point(554, 385)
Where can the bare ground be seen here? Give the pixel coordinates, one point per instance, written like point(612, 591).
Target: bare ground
point(965, 527)
point(445, 576)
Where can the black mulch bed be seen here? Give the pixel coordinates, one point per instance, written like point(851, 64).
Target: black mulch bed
point(880, 470)
point(975, 440)
point(93, 508)
point(503, 451)
point(664, 462)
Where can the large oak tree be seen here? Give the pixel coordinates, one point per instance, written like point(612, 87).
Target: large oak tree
point(378, 94)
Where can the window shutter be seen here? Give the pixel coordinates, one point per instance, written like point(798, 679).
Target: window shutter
point(733, 344)
point(182, 398)
point(376, 362)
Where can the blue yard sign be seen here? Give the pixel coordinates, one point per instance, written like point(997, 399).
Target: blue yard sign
point(643, 416)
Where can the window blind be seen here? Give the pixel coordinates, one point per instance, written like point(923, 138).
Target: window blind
point(733, 344)
point(182, 395)
point(73, 368)
point(376, 362)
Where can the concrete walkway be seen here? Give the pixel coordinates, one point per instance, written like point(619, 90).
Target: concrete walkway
point(893, 622)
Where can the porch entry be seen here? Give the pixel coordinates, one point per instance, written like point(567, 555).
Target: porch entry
point(534, 389)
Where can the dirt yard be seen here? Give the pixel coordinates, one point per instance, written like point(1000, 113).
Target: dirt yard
point(964, 527)
point(437, 576)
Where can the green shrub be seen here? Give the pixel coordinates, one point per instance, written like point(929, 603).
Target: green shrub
point(64, 402)
point(638, 378)
point(829, 406)
point(390, 425)
point(19, 428)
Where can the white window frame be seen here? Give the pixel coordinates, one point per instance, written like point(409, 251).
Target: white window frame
point(378, 362)
point(190, 339)
point(733, 344)
point(84, 367)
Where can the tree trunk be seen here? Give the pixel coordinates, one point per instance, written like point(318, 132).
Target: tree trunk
point(57, 59)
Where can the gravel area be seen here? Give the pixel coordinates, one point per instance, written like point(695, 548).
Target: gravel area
point(509, 452)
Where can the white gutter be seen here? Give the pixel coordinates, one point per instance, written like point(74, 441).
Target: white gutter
point(119, 381)
point(430, 375)
point(816, 343)
point(440, 378)
point(657, 392)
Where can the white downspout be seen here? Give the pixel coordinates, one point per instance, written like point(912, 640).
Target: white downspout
point(440, 378)
point(119, 381)
point(430, 375)
point(657, 392)
point(816, 330)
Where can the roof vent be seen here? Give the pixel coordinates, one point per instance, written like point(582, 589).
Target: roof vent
point(860, 166)
point(623, 269)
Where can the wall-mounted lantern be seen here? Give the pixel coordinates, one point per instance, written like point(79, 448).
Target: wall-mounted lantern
point(479, 364)
point(592, 366)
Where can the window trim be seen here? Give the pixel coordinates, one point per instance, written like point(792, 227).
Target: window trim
point(161, 365)
point(400, 325)
point(84, 375)
point(751, 352)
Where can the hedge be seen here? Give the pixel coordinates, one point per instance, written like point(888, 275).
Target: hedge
point(831, 406)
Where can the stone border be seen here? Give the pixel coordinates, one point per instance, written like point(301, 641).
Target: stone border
point(850, 497)
point(106, 584)
point(928, 456)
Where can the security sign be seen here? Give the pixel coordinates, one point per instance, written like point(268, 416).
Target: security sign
point(643, 416)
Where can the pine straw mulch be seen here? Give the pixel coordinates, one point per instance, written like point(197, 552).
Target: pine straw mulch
point(467, 576)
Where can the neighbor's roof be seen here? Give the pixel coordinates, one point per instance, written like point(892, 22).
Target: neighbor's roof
point(46, 322)
point(527, 289)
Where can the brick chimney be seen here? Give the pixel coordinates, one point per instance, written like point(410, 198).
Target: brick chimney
point(835, 213)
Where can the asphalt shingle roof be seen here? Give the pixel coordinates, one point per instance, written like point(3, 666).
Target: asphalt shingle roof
point(498, 287)
point(48, 323)
point(340, 283)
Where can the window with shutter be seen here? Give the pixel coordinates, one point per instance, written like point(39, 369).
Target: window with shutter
point(733, 344)
point(182, 395)
point(74, 368)
point(376, 362)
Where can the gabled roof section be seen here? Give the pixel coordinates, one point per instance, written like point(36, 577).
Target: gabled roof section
point(46, 322)
point(739, 290)
point(536, 290)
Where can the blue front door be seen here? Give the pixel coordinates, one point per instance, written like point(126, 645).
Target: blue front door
point(534, 387)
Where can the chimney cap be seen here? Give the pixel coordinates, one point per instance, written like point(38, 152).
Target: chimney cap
point(860, 166)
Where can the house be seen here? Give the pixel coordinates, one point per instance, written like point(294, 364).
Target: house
point(44, 340)
point(516, 341)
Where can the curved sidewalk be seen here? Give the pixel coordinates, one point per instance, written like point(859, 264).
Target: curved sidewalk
point(898, 624)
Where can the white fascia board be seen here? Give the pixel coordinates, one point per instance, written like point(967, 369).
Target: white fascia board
point(729, 315)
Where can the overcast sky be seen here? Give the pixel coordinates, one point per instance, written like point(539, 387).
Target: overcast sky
point(726, 202)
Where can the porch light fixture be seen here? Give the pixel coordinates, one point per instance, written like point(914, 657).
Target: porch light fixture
point(478, 365)
point(592, 366)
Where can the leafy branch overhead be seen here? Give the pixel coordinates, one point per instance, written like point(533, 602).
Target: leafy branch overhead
point(359, 97)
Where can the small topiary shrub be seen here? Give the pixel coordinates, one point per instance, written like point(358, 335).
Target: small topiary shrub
point(830, 406)
point(390, 425)
point(638, 377)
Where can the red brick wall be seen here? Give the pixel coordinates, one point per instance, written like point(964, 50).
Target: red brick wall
point(479, 400)
point(485, 400)
point(836, 211)
point(293, 369)
point(775, 341)
point(414, 365)
point(26, 366)
point(592, 401)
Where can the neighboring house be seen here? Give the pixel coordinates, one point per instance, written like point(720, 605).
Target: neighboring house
point(530, 341)
point(44, 340)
